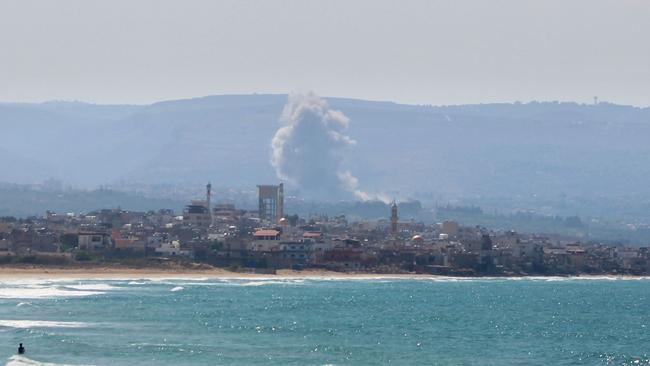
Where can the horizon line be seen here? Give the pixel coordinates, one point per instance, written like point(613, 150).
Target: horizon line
point(181, 99)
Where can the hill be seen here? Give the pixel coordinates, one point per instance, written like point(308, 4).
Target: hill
point(517, 152)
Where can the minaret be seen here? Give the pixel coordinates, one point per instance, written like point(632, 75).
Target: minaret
point(208, 198)
point(393, 218)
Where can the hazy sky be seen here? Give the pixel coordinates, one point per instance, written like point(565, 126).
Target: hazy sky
point(432, 52)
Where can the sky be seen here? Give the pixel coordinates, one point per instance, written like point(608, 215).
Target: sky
point(409, 51)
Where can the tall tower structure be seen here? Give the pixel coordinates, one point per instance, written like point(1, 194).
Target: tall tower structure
point(280, 214)
point(208, 200)
point(393, 218)
point(271, 202)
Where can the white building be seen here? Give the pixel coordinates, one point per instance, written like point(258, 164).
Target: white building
point(172, 249)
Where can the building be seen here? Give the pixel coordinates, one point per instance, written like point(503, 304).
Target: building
point(265, 240)
point(94, 241)
point(197, 214)
point(450, 228)
point(171, 249)
point(5, 227)
point(5, 245)
point(296, 251)
point(128, 242)
point(271, 203)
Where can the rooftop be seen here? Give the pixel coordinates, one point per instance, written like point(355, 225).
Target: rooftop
point(266, 232)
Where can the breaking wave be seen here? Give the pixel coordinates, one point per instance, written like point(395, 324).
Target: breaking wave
point(137, 283)
point(24, 361)
point(42, 293)
point(26, 324)
point(92, 287)
point(264, 283)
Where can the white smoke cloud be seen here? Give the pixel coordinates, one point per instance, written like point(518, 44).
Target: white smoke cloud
point(308, 152)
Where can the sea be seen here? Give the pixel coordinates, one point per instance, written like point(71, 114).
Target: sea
point(319, 321)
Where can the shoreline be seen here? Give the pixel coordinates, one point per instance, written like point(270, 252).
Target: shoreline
point(101, 272)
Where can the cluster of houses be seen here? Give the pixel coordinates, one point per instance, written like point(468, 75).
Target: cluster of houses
point(223, 235)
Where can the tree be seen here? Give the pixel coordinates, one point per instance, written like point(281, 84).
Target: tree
point(293, 219)
point(216, 246)
point(69, 241)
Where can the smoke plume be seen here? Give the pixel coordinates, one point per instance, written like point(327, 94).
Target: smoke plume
point(308, 151)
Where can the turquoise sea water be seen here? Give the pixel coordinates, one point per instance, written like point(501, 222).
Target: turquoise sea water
point(554, 321)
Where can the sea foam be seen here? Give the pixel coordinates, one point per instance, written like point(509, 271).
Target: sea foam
point(93, 287)
point(42, 293)
point(24, 361)
point(264, 283)
point(26, 324)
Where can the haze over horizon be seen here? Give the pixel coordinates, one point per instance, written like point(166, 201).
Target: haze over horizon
point(418, 52)
point(285, 94)
point(188, 92)
point(528, 148)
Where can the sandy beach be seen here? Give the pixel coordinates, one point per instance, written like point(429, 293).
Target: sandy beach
point(7, 272)
point(106, 272)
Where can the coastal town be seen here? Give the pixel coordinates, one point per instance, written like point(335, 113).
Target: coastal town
point(267, 239)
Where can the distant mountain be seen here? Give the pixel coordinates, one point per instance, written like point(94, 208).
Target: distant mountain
point(24, 201)
point(445, 152)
